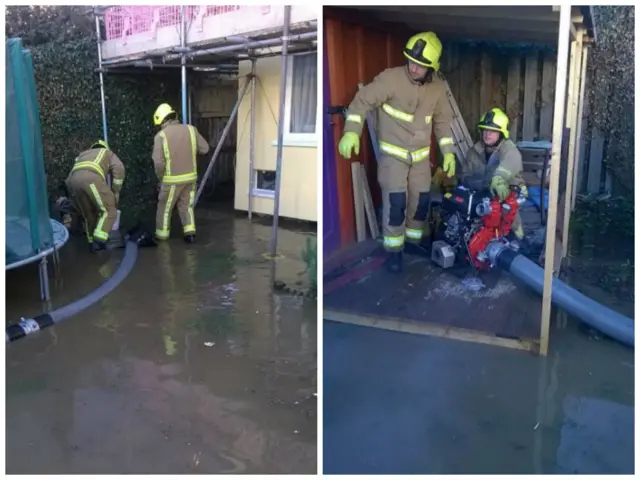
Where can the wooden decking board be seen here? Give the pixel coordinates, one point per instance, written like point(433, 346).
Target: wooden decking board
point(426, 293)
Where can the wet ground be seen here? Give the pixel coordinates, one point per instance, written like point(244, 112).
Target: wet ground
point(193, 365)
point(396, 403)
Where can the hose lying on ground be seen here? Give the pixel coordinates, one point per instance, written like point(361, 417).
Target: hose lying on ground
point(594, 314)
point(27, 326)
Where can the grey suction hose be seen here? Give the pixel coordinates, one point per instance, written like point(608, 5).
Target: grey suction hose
point(29, 325)
point(592, 313)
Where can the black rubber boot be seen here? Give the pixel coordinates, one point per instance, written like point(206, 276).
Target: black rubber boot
point(98, 245)
point(190, 238)
point(422, 249)
point(394, 262)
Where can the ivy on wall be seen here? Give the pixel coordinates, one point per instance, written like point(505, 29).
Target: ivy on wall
point(611, 97)
point(65, 60)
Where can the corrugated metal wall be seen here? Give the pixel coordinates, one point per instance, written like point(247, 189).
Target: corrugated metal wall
point(355, 54)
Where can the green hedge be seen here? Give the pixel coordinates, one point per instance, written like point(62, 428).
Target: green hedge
point(611, 89)
point(69, 95)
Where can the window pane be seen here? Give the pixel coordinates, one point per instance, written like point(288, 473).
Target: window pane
point(266, 180)
point(304, 98)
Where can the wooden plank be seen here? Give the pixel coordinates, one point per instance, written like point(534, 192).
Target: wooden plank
point(486, 82)
point(595, 162)
point(557, 141)
point(358, 202)
point(428, 329)
point(579, 161)
point(572, 114)
point(369, 208)
point(513, 96)
point(348, 255)
point(548, 86)
point(530, 94)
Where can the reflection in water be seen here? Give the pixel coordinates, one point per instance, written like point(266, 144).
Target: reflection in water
point(192, 365)
point(420, 405)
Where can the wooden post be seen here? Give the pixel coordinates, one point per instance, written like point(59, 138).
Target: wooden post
point(556, 149)
point(579, 162)
point(548, 83)
point(513, 96)
point(572, 121)
point(530, 94)
point(358, 202)
point(595, 161)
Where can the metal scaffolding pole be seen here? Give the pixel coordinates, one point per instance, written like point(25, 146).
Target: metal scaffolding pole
point(225, 132)
point(102, 98)
point(272, 42)
point(103, 102)
point(252, 136)
point(283, 92)
point(183, 62)
point(564, 28)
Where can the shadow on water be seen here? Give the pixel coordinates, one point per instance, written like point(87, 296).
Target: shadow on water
point(397, 403)
point(193, 365)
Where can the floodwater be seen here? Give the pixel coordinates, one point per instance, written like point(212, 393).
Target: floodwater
point(192, 365)
point(397, 403)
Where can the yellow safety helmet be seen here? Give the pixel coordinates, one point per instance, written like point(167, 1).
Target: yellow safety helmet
point(161, 113)
point(100, 144)
point(496, 120)
point(424, 49)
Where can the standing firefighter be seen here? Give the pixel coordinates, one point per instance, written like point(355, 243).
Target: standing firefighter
point(496, 160)
point(411, 100)
point(95, 200)
point(175, 150)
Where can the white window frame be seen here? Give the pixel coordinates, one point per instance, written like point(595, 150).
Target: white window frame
point(260, 192)
point(296, 139)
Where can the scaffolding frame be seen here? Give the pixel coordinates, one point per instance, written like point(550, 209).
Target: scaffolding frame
point(234, 49)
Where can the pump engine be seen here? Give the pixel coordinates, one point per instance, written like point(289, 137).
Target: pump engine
point(471, 219)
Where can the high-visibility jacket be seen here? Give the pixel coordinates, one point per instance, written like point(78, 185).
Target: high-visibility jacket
point(102, 161)
point(505, 161)
point(175, 150)
point(406, 114)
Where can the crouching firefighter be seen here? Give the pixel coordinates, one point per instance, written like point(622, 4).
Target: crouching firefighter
point(410, 101)
point(497, 161)
point(175, 150)
point(95, 200)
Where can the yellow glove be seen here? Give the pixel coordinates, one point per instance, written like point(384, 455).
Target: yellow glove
point(348, 143)
point(499, 188)
point(449, 164)
point(524, 191)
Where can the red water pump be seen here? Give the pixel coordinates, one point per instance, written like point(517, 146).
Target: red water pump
point(496, 224)
point(472, 219)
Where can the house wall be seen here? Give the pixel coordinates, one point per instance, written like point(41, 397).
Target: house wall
point(298, 190)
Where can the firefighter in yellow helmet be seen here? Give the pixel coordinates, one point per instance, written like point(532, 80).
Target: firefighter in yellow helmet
point(175, 149)
point(97, 203)
point(410, 100)
point(497, 160)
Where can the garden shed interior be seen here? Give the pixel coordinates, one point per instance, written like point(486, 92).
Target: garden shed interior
point(531, 62)
point(224, 58)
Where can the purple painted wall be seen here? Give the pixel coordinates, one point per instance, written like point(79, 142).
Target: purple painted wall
point(330, 214)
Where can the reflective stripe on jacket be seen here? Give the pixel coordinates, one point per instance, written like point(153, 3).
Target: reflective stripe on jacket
point(406, 112)
point(175, 152)
point(102, 161)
